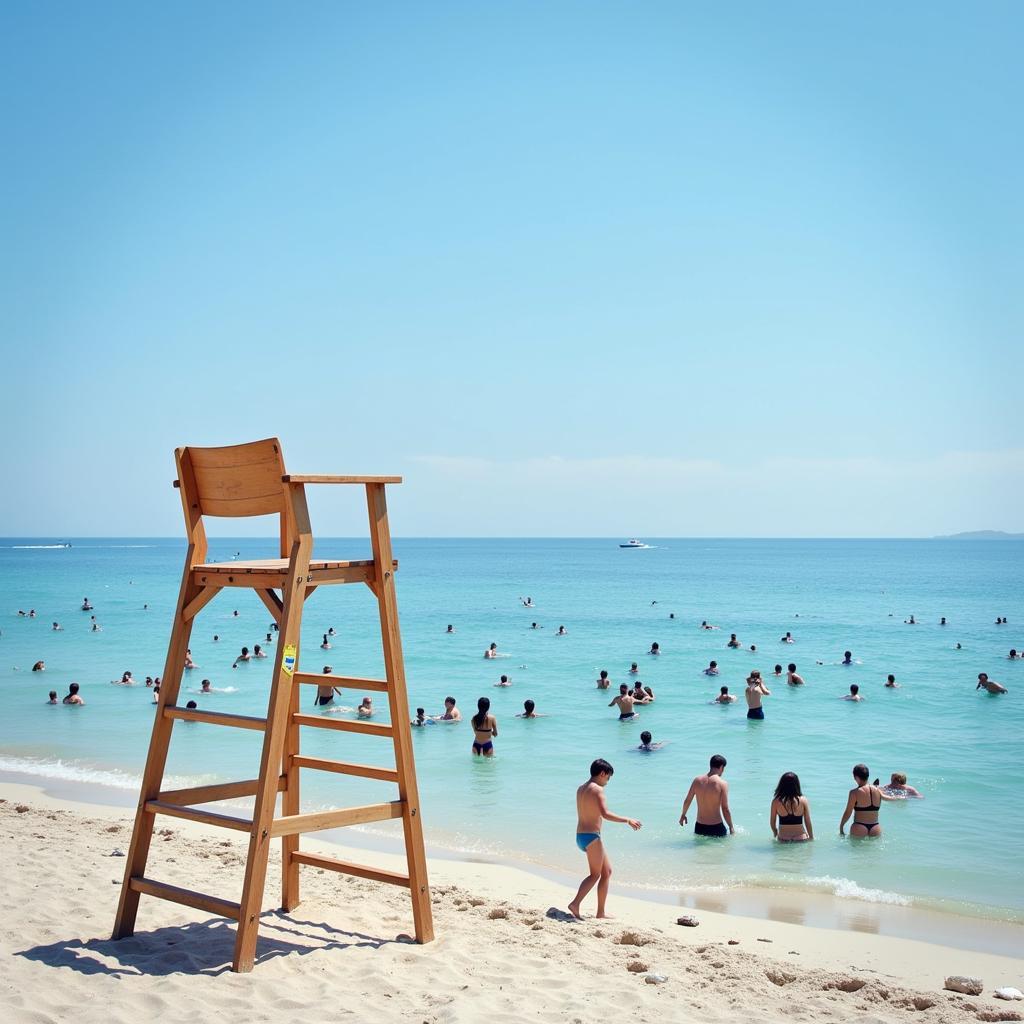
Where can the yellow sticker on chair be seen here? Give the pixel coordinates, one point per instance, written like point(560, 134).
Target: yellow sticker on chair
point(288, 660)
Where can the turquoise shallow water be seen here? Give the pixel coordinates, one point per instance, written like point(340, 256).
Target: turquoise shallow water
point(957, 850)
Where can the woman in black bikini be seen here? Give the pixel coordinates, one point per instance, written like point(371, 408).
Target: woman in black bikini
point(863, 803)
point(790, 815)
point(485, 729)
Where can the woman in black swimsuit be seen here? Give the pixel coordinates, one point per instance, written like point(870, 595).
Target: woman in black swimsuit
point(485, 729)
point(790, 815)
point(863, 803)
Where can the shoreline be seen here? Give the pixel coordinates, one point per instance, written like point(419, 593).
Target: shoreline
point(746, 908)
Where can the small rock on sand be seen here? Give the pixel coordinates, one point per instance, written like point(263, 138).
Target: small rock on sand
point(963, 983)
point(688, 921)
point(1008, 993)
point(655, 979)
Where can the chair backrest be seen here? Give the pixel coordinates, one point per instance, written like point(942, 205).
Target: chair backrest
point(239, 480)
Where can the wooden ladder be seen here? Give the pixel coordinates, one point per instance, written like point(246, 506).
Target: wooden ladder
point(245, 480)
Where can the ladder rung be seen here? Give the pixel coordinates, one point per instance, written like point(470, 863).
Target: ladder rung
point(367, 771)
point(190, 898)
point(343, 724)
point(316, 821)
point(217, 791)
point(342, 682)
point(194, 814)
point(317, 860)
point(215, 718)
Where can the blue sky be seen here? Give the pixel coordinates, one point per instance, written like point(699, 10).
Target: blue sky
point(571, 268)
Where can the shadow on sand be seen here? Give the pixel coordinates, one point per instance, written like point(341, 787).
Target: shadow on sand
point(199, 947)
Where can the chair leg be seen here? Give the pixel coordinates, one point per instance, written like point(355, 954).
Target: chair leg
point(290, 804)
point(278, 720)
point(156, 761)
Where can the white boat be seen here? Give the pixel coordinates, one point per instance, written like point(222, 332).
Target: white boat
point(634, 543)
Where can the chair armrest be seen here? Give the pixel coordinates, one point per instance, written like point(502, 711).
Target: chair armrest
point(317, 478)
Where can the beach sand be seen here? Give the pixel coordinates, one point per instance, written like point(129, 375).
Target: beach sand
point(504, 951)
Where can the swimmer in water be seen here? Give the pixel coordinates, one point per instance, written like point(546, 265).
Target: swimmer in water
point(624, 702)
point(561, 631)
point(244, 656)
point(646, 744)
point(942, 621)
point(189, 663)
point(450, 629)
point(792, 678)
point(854, 693)
point(655, 649)
point(753, 648)
point(958, 648)
point(711, 792)
point(533, 625)
point(733, 642)
point(39, 666)
point(890, 682)
point(778, 670)
point(527, 602)
point(72, 696)
point(863, 802)
point(712, 669)
point(705, 625)
point(258, 652)
point(603, 682)
point(504, 681)
point(491, 652)
point(787, 639)
point(528, 710)
point(642, 694)
point(53, 698)
point(451, 712)
point(421, 718)
point(365, 709)
point(633, 669)
point(897, 787)
point(984, 683)
point(847, 658)
point(86, 607)
point(330, 631)
point(57, 627)
point(324, 691)
point(724, 697)
point(910, 622)
point(485, 729)
point(325, 644)
point(206, 687)
point(591, 812)
point(754, 692)
point(1013, 654)
point(790, 814)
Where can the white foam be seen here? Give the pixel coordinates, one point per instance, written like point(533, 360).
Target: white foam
point(848, 889)
point(70, 771)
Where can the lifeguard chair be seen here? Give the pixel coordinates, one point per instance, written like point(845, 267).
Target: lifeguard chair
point(250, 480)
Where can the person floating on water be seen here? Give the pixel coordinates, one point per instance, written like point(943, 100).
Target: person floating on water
point(325, 644)
point(724, 697)
point(561, 631)
point(854, 693)
point(421, 718)
point(642, 694)
point(485, 729)
point(733, 642)
point(898, 789)
point(258, 652)
point(890, 682)
point(984, 683)
point(863, 802)
point(633, 669)
point(39, 666)
point(244, 656)
point(591, 812)
point(711, 792)
point(504, 681)
point(790, 813)
point(712, 669)
point(86, 607)
point(754, 692)
point(528, 710)
point(647, 744)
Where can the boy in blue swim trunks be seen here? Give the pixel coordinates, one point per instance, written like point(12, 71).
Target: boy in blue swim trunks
point(591, 811)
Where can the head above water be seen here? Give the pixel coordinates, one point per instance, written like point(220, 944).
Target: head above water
point(725, 691)
point(645, 737)
point(528, 706)
point(897, 779)
point(449, 702)
point(604, 673)
point(791, 666)
point(854, 689)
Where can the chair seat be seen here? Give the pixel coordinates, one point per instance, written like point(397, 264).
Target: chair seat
point(277, 565)
point(272, 573)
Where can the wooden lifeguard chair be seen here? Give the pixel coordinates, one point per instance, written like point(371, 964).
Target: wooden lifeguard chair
point(250, 480)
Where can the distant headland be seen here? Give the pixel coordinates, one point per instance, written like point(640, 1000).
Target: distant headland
point(982, 535)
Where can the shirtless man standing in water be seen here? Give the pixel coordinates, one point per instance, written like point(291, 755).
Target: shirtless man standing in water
point(712, 794)
point(591, 810)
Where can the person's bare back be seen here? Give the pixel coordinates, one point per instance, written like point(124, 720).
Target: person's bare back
point(711, 792)
point(589, 806)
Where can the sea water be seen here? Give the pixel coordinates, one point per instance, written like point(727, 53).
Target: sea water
point(958, 849)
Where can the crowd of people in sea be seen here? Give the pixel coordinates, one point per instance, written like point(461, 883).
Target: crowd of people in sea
point(790, 811)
